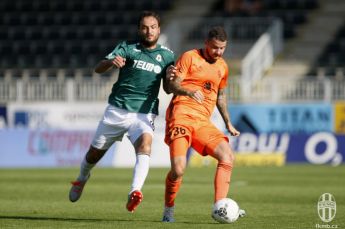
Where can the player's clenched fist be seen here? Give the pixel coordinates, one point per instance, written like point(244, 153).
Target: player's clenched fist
point(232, 130)
point(171, 72)
point(119, 61)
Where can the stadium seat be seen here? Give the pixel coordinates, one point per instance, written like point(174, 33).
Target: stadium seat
point(23, 6)
point(3, 35)
point(55, 48)
point(28, 19)
point(74, 5)
point(33, 34)
point(80, 19)
point(16, 34)
point(21, 49)
point(333, 56)
point(38, 49)
point(291, 12)
point(7, 6)
point(41, 5)
point(62, 33)
point(56, 6)
point(51, 34)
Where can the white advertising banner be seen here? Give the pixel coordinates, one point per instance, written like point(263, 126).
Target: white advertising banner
point(45, 148)
point(59, 134)
point(44, 134)
point(65, 148)
point(62, 115)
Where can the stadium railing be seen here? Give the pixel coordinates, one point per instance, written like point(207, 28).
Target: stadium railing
point(261, 56)
point(285, 90)
point(72, 90)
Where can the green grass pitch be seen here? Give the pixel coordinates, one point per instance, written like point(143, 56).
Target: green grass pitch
point(274, 197)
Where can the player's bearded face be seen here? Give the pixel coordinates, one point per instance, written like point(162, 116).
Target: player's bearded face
point(149, 31)
point(214, 49)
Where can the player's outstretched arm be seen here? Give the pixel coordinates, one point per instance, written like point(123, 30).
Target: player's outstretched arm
point(105, 65)
point(223, 110)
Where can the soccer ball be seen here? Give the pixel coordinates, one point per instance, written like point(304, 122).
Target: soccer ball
point(225, 211)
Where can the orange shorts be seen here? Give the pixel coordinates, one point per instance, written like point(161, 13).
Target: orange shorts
point(203, 136)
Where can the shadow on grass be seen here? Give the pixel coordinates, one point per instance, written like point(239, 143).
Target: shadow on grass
point(38, 218)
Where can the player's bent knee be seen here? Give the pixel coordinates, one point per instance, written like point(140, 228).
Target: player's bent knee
point(94, 155)
point(143, 144)
point(223, 152)
point(226, 157)
point(144, 149)
point(177, 172)
point(232, 157)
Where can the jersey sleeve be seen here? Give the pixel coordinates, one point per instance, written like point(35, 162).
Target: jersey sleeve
point(170, 60)
point(183, 65)
point(168, 55)
point(224, 80)
point(119, 50)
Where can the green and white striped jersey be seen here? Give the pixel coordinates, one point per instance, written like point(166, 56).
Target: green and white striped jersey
point(139, 80)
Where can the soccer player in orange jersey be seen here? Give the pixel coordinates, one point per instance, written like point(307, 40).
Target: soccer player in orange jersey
point(198, 83)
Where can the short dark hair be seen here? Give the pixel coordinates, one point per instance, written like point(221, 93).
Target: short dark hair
point(149, 14)
point(218, 33)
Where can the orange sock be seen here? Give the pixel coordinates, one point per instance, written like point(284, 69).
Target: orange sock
point(222, 180)
point(171, 189)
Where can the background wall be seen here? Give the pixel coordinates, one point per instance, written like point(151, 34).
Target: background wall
point(59, 134)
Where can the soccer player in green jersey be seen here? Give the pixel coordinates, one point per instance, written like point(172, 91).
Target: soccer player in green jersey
point(133, 104)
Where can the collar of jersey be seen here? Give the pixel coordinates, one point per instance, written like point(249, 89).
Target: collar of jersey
point(141, 47)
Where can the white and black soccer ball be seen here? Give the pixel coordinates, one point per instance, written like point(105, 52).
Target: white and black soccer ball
point(225, 211)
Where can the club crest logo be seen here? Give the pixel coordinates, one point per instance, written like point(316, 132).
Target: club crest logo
point(207, 86)
point(159, 58)
point(326, 207)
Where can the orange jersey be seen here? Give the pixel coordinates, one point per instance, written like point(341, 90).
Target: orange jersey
point(198, 74)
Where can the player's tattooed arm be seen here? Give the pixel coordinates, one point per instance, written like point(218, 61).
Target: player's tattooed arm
point(223, 110)
point(174, 85)
point(176, 88)
point(222, 105)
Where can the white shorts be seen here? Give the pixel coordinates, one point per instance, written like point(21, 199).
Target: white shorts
point(116, 122)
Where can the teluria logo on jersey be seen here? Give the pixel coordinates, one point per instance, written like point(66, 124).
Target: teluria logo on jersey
point(139, 64)
point(326, 207)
